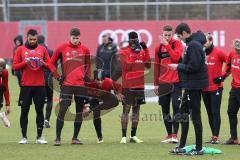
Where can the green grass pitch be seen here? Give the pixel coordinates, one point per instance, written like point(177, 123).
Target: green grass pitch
point(151, 130)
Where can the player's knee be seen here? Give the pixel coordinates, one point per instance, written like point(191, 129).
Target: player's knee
point(231, 113)
point(79, 117)
point(126, 109)
point(96, 114)
point(183, 118)
point(216, 114)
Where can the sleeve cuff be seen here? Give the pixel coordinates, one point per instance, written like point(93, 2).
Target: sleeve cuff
point(180, 67)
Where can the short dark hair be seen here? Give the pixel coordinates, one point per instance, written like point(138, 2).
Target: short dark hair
point(32, 32)
point(167, 28)
point(132, 35)
point(18, 38)
point(209, 36)
point(75, 32)
point(182, 27)
point(41, 39)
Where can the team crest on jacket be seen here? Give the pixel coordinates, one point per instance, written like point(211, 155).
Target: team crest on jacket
point(238, 61)
point(32, 51)
point(26, 53)
point(67, 54)
point(74, 53)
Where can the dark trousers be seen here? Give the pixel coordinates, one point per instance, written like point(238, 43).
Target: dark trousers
point(49, 101)
point(212, 101)
point(27, 94)
point(191, 104)
point(233, 108)
point(96, 117)
point(67, 93)
point(170, 123)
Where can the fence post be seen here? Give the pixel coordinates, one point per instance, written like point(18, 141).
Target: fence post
point(106, 11)
point(145, 10)
point(208, 10)
point(157, 11)
point(117, 11)
point(6, 13)
point(55, 10)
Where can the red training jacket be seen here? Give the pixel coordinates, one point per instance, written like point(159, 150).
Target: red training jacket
point(233, 67)
point(75, 61)
point(4, 83)
point(133, 65)
point(174, 55)
point(215, 62)
point(31, 76)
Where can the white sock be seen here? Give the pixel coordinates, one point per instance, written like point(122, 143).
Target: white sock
point(1, 116)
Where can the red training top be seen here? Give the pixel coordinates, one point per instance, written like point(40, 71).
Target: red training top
point(75, 61)
point(215, 61)
point(133, 67)
point(31, 75)
point(164, 55)
point(4, 83)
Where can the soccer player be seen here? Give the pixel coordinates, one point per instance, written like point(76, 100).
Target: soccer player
point(212, 95)
point(194, 78)
point(168, 51)
point(233, 67)
point(31, 59)
point(75, 61)
point(106, 84)
point(133, 60)
point(48, 84)
point(4, 91)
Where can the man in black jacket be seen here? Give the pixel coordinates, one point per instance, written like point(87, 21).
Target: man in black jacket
point(106, 56)
point(48, 84)
point(194, 77)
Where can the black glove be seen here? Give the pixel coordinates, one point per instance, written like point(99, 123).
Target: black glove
point(60, 80)
point(143, 45)
point(218, 80)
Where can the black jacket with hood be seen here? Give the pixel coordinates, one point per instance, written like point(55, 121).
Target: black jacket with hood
point(193, 70)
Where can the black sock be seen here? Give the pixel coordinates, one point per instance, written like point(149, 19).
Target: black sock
point(133, 132)
point(98, 127)
point(124, 132)
point(77, 126)
point(39, 132)
point(48, 111)
point(59, 127)
point(24, 132)
point(24, 120)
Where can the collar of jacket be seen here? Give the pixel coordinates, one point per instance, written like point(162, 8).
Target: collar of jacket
point(28, 46)
point(189, 39)
point(74, 46)
point(209, 49)
point(107, 43)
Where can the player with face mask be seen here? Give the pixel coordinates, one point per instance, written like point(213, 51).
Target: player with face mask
point(133, 59)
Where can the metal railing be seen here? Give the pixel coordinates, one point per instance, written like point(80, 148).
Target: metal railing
point(58, 9)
